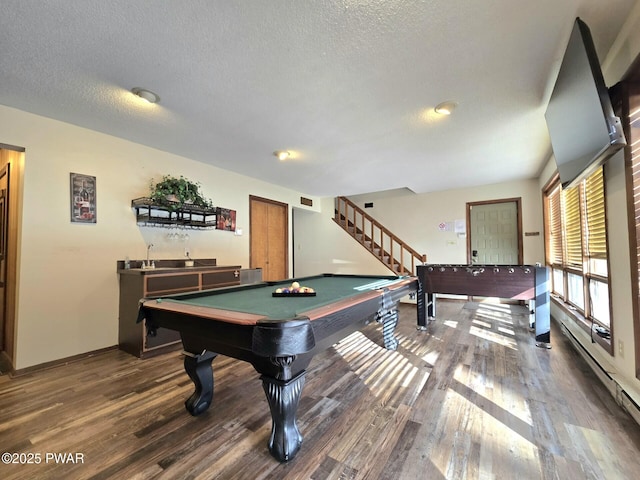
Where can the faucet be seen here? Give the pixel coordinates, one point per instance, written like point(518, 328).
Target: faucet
point(148, 249)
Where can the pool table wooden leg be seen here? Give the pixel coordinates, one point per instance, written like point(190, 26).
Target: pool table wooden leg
point(388, 317)
point(421, 308)
point(389, 322)
point(198, 367)
point(283, 397)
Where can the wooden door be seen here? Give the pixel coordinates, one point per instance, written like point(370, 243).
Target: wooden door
point(269, 233)
point(494, 232)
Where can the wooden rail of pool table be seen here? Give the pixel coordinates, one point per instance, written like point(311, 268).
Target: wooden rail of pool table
point(230, 316)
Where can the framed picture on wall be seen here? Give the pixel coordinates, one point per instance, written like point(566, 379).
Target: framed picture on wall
point(83, 198)
point(225, 219)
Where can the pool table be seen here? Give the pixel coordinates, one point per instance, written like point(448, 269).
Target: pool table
point(278, 335)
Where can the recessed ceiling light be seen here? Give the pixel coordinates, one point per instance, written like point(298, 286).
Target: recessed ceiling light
point(282, 154)
point(144, 94)
point(445, 108)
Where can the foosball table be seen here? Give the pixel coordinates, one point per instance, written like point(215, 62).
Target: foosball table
point(516, 282)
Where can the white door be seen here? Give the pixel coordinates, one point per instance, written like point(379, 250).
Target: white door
point(493, 233)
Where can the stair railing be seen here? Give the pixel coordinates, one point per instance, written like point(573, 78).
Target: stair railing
point(375, 237)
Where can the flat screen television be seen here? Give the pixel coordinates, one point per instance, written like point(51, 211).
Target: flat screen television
point(583, 128)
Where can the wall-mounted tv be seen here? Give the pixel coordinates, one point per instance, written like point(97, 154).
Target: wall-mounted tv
point(583, 128)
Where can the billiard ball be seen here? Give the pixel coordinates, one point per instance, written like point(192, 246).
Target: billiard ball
point(295, 285)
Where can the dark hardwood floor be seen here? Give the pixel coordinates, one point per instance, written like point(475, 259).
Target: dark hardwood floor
point(471, 398)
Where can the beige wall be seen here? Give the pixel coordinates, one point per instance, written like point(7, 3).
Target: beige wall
point(68, 286)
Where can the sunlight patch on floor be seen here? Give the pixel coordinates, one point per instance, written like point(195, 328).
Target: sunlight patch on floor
point(494, 337)
point(420, 344)
point(506, 331)
point(384, 372)
point(481, 323)
point(431, 357)
point(493, 317)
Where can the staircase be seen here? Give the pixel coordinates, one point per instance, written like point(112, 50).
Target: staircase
point(395, 254)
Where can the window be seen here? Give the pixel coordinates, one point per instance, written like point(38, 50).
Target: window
point(576, 247)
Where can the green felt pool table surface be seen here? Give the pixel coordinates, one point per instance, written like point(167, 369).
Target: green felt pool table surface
point(260, 300)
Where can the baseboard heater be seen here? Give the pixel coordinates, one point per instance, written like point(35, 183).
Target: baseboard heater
point(617, 391)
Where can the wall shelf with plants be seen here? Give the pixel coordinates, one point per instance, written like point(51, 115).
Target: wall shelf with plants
point(175, 201)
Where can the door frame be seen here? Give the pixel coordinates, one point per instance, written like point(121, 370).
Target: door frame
point(4, 234)
point(518, 202)
point(14, 158)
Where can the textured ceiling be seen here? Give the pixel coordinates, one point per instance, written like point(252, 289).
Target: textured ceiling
point(346, 86)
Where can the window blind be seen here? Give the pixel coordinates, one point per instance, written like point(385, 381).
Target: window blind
point(554, 236)
point(572, 228)
point(596, 233)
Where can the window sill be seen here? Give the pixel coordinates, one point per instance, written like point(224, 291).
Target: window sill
point(585, 324)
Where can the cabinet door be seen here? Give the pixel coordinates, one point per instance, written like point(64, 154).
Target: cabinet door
point(167, 284)
point(159, 284)
point(222, 278)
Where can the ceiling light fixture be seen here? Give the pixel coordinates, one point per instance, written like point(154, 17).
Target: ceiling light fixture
point(446, 108)
point(282, 154)
point(146, 95)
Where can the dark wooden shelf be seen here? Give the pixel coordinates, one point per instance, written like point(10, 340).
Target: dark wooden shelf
point(190, 216)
